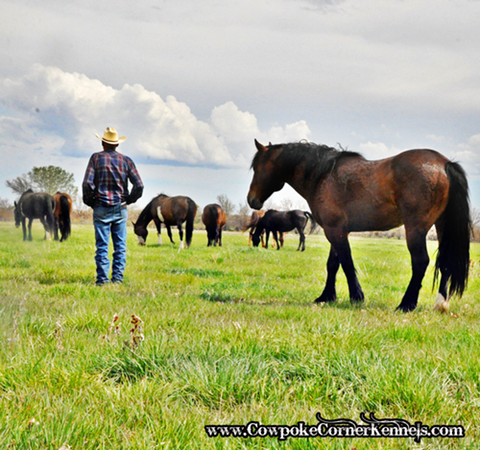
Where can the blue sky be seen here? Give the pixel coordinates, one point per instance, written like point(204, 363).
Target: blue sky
point(192, 84)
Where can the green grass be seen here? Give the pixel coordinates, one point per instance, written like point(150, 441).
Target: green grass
point(231, 335)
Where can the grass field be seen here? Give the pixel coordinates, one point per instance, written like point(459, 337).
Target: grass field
point(231, 336)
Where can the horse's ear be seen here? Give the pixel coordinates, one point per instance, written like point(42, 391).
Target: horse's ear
point(260, 147)
point(133, 223)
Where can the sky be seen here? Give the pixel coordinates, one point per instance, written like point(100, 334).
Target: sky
point(192, 84)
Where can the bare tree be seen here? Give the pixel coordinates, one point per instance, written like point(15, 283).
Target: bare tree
point(20, 184)
point(226, 204)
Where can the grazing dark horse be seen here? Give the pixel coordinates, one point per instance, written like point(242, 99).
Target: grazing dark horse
point(62, 212)
point(31, 206)
point(214, 219)
point(171, 211)
point(346, 192)
point(282, 222)
point(254, 218)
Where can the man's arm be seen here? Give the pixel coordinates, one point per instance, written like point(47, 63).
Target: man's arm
point(137, 189)
point(88, 185)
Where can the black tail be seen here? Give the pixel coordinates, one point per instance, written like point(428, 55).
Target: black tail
point(49, 213)
point(212, 227)
point(64, 218)
point(453, 259)
point(192, 211)
point(314, 224)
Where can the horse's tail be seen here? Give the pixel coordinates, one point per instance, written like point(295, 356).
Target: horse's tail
point(49, 213)
point(192, 211)
point(64, 217)
point(453, 257)
point(212, 228)
point(309, 216)
point(253, 221)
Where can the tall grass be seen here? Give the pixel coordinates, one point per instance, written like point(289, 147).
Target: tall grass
point(231, 335)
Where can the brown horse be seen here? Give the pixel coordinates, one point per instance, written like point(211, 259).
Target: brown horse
point(171, 211)
point(62, 212)
point(254, 218)
point(346, 192)
point(214, 219)
point(35, 205)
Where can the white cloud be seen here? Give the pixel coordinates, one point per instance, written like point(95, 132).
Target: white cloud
point(66, 109)
point(377, 150)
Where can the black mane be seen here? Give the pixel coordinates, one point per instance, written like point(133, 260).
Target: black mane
point(318, 159)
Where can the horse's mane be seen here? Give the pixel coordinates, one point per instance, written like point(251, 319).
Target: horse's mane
point(146, 210)
point(318, 159)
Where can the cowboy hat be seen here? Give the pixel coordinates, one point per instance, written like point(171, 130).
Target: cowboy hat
point(111, 136)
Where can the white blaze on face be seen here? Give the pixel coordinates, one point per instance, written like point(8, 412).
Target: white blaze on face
point(141, 241)
point(441, 304)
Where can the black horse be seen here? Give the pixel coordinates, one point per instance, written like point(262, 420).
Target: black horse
point(281, 222)
point(31, 206)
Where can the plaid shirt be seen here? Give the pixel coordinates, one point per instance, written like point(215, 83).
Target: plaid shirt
point(106, 180)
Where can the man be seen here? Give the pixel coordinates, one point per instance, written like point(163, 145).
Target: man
point(105, 189)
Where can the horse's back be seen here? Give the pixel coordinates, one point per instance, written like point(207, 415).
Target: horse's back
point(37, 204)
point(421, 184)
point(378, 195)
point(213, 214)
point(177, 208)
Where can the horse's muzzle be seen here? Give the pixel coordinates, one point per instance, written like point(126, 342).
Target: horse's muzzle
point(254, 202)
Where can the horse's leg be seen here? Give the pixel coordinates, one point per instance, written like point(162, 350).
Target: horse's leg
point(442, 300)
point(329, 293)
point(267, 235)
point(417, 245)
point(275, 236)
point(301, 244)
point(158, 225)
point(30, 229)
point(55, 228)
point(180, 232)
point(219, 236)
point(44, 222)
point(339, 240)
point(24, 229)
point(169, 232)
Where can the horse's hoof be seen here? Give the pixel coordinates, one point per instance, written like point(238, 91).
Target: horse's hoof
point(405, 308)
point(325, 299)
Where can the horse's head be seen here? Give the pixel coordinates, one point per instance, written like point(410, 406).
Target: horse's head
point(266, 175)
point(256, 239)
point(141, 233)
point(18, 214)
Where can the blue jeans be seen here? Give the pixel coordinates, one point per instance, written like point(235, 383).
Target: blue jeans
point(106, 220)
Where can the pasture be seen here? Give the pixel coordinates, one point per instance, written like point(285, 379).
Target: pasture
point(230, 336)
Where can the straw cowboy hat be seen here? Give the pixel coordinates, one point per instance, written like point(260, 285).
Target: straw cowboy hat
point(111, 136)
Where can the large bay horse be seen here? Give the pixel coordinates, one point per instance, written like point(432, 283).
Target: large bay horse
point(171, 211)
point(31, 205)
point(214, 219)
point(276, 222)
point(346, 192)
point(62, 212)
